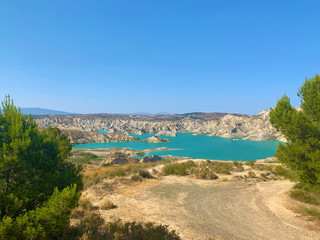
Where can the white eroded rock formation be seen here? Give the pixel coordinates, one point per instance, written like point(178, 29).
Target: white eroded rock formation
point(256, 127)
point(155, 139)
point(81, 137)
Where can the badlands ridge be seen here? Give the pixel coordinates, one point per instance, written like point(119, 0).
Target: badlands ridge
point(83, 128)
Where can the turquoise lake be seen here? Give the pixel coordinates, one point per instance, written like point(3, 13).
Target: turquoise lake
point(198, 146)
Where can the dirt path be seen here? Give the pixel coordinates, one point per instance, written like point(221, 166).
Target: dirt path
point(199, 209)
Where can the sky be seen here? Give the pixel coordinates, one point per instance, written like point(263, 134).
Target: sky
point(177, 56)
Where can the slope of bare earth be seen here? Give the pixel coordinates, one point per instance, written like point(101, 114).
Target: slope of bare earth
point(202, 209)
point(81, 137)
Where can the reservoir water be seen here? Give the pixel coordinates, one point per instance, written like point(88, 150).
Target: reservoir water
point(198, 146)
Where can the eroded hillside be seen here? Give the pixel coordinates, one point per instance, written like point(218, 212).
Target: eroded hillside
point(255, 127)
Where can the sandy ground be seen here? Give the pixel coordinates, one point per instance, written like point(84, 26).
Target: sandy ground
point(203, 209)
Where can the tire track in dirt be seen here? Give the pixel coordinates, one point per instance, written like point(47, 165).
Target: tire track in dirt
point(238, 210)
point(202, 209)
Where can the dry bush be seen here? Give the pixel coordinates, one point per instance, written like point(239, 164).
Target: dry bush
point(205, 173)
point(180, 169)
point(82, 210)
point(136, 178)
point(251, 174)
point(107, 205)
point(306, 196)
point(93, 227)
point(145, 174)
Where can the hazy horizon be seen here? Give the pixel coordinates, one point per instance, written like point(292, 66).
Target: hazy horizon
point(24, 109)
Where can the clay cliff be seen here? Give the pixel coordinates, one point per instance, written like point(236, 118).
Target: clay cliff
point(81, 137)
point(256, 127)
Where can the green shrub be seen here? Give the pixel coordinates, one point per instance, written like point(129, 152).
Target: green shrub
point(223, 171)
point(238, 166)
point(107, 164)
point(268, 167)
point(263, 177)
point(89, 156)
point(140, 153)
point(178, 168)
point(306, 196)
point(136, 178)
point(46, 222)
point(251, 174)
point(77, 213)
point(262, 167)
point(206, 174)
point(79, 160)
point(133, 230)
point(117, 173)
point(259, 166)
point(107, 205)
point(89, 180)
point(240, 169)
point(310, 211)
point(84, 158)
point(219, 167)
point(287, 173)
point(145, 174)
point(85, 204)
point(135, 168)
point(250, 163)
point(92, 227)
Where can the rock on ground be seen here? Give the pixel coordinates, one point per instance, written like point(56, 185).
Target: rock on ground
point(119, 158)
point(152, 158)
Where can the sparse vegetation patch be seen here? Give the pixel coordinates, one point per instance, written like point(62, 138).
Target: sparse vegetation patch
point(285, 172)
point(93, 175)
point(306, 196)
point(309, 211)
point(180, 169)
point(93, 227)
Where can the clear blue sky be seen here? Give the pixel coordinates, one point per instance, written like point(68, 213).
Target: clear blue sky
point(154, 56)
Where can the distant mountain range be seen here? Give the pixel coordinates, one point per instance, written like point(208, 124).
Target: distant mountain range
point(145, 113)
point(138, 115)
point(43, 111)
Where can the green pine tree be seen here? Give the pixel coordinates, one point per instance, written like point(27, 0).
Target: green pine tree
point(302, 130)
point(34, 177)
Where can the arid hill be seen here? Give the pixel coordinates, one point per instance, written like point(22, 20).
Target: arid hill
point(256, 127)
